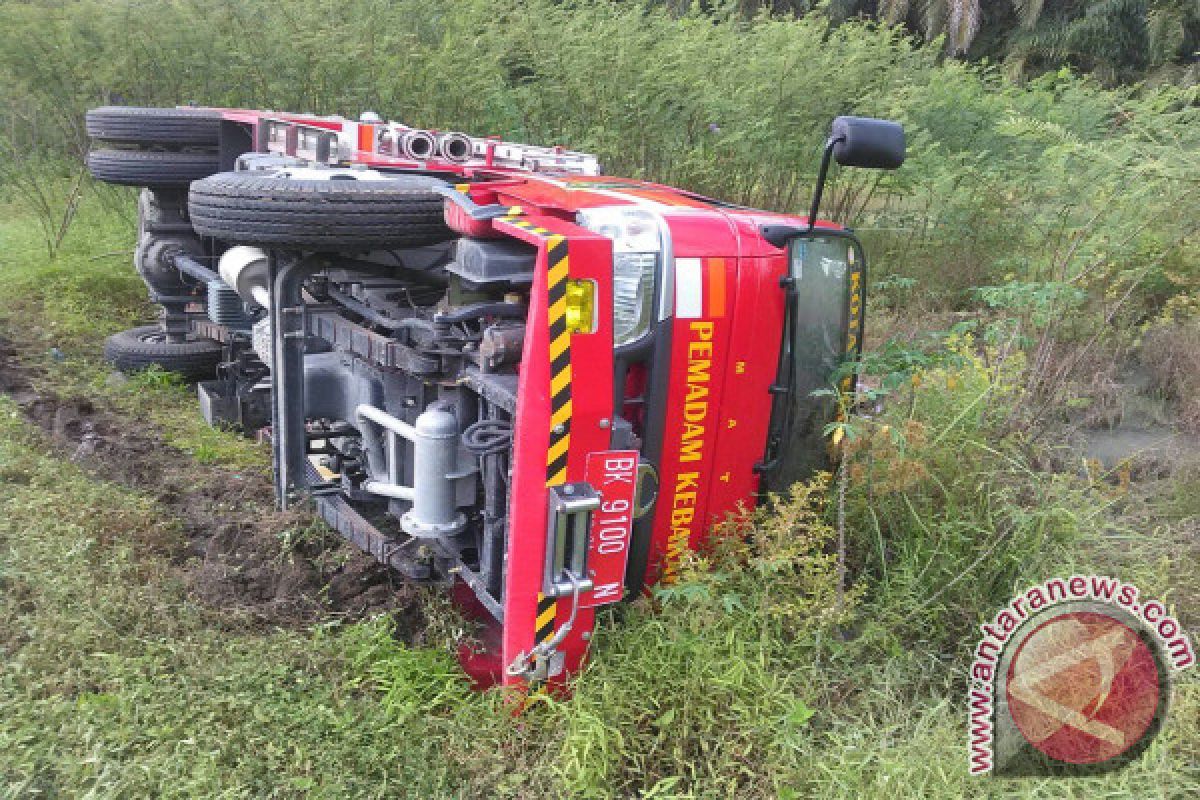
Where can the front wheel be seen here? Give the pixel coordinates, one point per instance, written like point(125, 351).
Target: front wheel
point(147, 346)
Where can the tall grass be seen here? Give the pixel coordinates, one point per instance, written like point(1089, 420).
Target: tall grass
point(1068, 210)
point(1076, 204)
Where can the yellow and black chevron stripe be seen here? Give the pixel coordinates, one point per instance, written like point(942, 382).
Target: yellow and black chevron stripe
point(560, 393)
point(853, 323)
point(557, 267)
point(523, 224)
point(560, 361)
point(546, 612)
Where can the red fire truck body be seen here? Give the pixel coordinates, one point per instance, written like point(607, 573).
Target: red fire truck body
point(662, 348)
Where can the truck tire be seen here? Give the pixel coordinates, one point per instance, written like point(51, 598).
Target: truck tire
point(152, 169)
point(162, 211)
point(319, 215)
point(146, 346)
point(132, 125)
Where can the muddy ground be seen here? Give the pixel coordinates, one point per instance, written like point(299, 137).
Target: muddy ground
point(235, 552)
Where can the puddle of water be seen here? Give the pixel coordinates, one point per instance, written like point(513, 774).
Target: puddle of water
point(1159, 443)
point(1144, 434)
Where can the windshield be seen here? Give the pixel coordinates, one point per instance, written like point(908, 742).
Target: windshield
point(827, 272)
point(820, 267)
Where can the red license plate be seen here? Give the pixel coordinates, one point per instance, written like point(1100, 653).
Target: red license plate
point(613, 473)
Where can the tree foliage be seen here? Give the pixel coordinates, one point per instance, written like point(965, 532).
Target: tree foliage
point(1117, 40)
point(1048, 182)
point(1002, 180)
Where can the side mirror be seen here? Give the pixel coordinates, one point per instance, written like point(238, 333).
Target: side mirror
point(867, 142)
point(853, 142)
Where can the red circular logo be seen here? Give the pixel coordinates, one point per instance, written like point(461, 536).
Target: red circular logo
point(1083, 687)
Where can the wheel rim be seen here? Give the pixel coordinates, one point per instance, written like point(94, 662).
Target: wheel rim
point(162, 337)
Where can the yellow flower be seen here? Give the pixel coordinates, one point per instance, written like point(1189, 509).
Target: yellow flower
point(838, 433)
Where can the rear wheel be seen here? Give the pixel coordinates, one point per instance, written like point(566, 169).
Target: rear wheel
point(321, 215)
point(146, 346)
point(152, 169)
point(133, 125)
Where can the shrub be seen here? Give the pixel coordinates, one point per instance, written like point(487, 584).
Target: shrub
point(1171, 354)
point(730, 652)
point(946, 514)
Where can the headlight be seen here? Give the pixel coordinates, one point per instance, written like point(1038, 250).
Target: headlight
point(637, 240)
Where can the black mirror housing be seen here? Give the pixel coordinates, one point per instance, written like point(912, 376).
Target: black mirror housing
point(853, 142)
point(867, 142)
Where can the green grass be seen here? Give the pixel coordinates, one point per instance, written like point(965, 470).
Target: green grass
point(738, 682)
point(60, 309)
point(114, 682)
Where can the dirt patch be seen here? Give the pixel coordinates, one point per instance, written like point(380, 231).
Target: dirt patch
point(236, 553)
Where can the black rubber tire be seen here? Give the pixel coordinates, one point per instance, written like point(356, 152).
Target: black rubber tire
point(146, 346)
point(323, 216)
point(133, 125)
point(152, 169)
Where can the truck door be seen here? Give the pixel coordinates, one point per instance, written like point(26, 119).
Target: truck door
point(822, 329)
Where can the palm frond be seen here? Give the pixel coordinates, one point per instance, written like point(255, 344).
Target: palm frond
point(962, 24)
point(933, 17)
point(1029, 11)
point(1049, 42)
point(893, 11)
point(1165, 30)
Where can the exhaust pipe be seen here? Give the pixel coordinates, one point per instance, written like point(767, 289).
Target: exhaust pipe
point(245, 269)
point(417, 145)
point(455, 147)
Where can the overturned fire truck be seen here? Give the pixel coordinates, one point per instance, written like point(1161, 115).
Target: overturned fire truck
point(487, 365)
